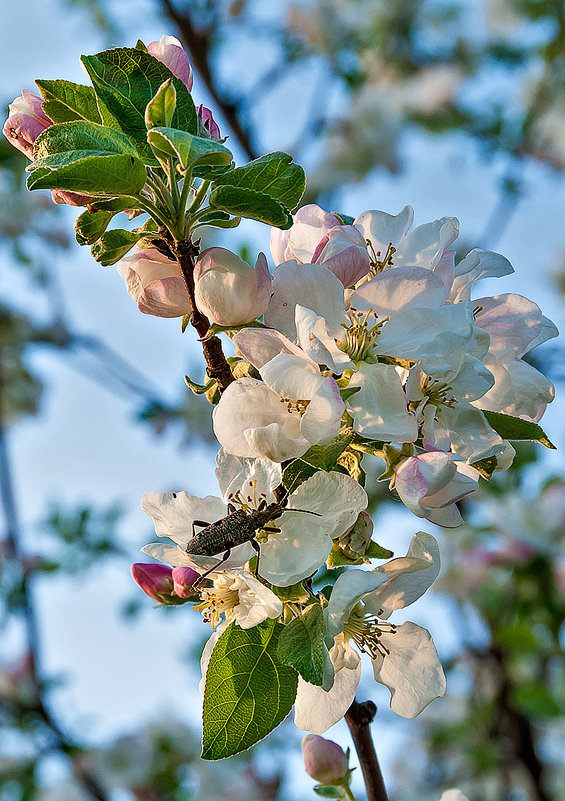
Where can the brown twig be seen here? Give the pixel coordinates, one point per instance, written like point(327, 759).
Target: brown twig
point(359, 717)
point(216, 365)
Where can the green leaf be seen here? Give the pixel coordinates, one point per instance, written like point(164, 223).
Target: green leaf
point(274, 174)
point(190, 150)
point(515, 428)
point(219, 219)
point(344, 219)
point(486, 467)
point(65, 101)
point(96, 175)
point(89, 226)
point(80, 136)
point(330, 791)
point(250, 203)
point(160, 109)
point(301, 644)
point(248, 692)
point(324, 457)
point(114, 204)
point(296, 473)
point(113, 245)
point(126, 80)
point(376, 551)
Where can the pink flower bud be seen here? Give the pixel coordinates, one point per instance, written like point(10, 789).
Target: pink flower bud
point(25, 122)
point(156, 581)
point(228, 290)
point(343, 250)
point(168, 50)
point(207, 126)
point(60, 196)
point(324, 760)
point(155, 283)
point(183, 579)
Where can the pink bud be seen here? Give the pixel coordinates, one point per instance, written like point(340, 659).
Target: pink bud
point(168, 50)
point(183, 579)
point(156, 581)
point(228, 290)
point(207, 125)
point(155, 283)
point(324, 760)
point(343, 250)
point(25, 122)
point(61, 196)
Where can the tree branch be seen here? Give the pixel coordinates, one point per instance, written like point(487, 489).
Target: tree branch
point(359, 717)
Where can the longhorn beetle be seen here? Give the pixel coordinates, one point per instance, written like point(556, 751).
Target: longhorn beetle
point(236, 528)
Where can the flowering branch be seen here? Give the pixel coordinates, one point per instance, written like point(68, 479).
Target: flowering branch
point(359, 717)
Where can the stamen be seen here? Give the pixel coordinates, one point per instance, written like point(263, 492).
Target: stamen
point(366, 631)
point(379, 262)
point(298, 406)
point(438, 392)
point(359, 336)
point(215, 603)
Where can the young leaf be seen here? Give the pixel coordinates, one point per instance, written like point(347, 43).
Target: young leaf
point(80, 135)
point(113, 245)
point(324, 457)
point(301, 644)
point(89, 226)
point(160, 110)
point(515, 428)
point(66, 101)
point(126, 80)
point(273, 174)
point(190, 150)
point(249, 691)
point(250, 203)
point(219, 219)
point(96, 175)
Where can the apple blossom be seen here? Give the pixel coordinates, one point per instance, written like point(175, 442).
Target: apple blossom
point(238, 596)
point(228, 290)
point(155, 283)
point(404, 657)
point(183, 581)
point(280, 417)
point(156, 581)
point(170, 52)
point(207, 126)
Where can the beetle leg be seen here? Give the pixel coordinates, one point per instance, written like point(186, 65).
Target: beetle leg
point(231, 508)
point(262, 505)
point(200, 524)
point(204, 575)
point(257, 549)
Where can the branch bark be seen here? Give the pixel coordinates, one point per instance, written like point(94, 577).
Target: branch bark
point(359, 717)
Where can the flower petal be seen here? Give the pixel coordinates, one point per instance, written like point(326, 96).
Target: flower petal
point(336, 497)
point(380, 408)
point(174, 512)
point(296, 551)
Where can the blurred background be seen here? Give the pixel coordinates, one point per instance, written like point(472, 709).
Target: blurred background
point(456, 108)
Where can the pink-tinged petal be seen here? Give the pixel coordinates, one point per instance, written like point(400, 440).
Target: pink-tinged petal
point(384, 229)
point(183, 580)
point(168, 50)
point(410, 669)
point(400, 289)
point(316, 710)
point(343, 251)
point(318, 341)
point(279, 241)
point(512, 321)
point(311, 223)
point(380, 407)
point(207, 124)
point(61, 197)
point(155, 580)
point(309, 285)
point(426, 244)
point(445, 268)
point(164, 298)
point(260, 345)
point(548, 331)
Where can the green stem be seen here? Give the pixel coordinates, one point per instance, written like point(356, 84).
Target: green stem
point(161, 190)
point(199, 197)
point(174, 186)
point(150, 208)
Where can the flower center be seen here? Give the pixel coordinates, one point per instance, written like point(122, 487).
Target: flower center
point(438, 392)
point(366, 631)
point(360, 336)
point(295, 406)
point(378, 261)
point(217, 601)
point(247, 502)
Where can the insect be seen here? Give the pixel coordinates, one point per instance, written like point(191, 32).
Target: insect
point(236, 528)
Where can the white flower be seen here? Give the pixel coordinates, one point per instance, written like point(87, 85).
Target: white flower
point(155, 283)
point(280, 417)
point(237, 596)
point(404, 657)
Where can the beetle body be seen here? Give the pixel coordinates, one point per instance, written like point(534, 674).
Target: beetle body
point(237, 528)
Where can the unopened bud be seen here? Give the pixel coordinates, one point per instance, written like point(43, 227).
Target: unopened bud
point(355, 541)
point(156, 581)
point(183, 581)
point(324, 760)
point(207, 126)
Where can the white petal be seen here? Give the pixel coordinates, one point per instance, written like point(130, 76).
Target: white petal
point(296, 551)
point(310, 285)
point(477, 264)
point(425, 245)
point(401, 288)
point(273, 442)
point(384, 229)
point(252, 477)
point(411, 670)
point(317, 710)
point(471, 435)
point(410, 576)
point(380, 408)
point(260, 345)
point(350, 587)
point(512, 321)
point(177, 557)
point(453, 795)
point(256, 601)
point(338, 498)
point(174, 512)
point(427, 333)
